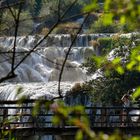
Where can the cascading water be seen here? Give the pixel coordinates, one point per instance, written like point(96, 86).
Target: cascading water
point(38, 75)
point(44, 64)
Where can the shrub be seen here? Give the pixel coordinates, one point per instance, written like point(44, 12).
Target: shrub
point(99, 27)
point(104, 44)
point(44, 31)
point(105, 41)
point(67, 28)
point(77, 87)
point(127, 28)
point(8, 23)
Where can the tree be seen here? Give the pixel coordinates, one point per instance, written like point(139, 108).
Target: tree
point(122, 13)
point(115, 79)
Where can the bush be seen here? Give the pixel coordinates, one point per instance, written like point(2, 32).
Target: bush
point(44, 31)
point(99, 27)
point(105, 41)
point(67, 28)
point(8, 23)
point(127, 28)
point(105, 44)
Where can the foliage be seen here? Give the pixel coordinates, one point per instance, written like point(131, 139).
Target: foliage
point(106, 44)
point(115, 78)
point(37, 7)
point(8, 23)
point(67, 28)
point(44, 31)
point(123, 11)
point(128, 27)
point(51, 9)
point(37, 11)
point(99, 27)
point(108, 90)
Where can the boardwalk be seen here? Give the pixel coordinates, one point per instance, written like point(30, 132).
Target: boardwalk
point(19, 119)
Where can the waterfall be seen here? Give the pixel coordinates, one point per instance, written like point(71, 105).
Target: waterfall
point(44, 64)
point(38, 75)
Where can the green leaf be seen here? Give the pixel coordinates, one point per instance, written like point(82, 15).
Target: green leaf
point(92, 6)
point(107, 5)
point(138, 68)
point(85, 120)
point(107, 19)
point(135, 138)
point(122, 19)
point(79, 108)
point(120, 70)
point(98, 60)
point(136, 94)
point(56, 120)
point(116, 61)
point(36, 108)
point(79, 135)
point(63, 111)
point(138, 58)
point(130, 65)
point(6, 132)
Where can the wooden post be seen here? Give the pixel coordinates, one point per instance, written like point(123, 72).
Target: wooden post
point(5, 117)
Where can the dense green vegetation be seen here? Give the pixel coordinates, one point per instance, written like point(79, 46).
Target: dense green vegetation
point(39, 14)
point(36, 15)
point(114, 78)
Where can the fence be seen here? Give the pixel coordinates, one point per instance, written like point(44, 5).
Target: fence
point(17, 116)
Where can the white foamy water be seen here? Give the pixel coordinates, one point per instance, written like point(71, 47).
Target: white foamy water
point(33, 90)
point(39, 73)
point(44, 64)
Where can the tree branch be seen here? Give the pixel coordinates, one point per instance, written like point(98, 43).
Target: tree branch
point(16, 32)
point(67, 54)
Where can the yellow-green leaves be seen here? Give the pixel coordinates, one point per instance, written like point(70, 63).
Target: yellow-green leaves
point(93, 6)
point(99, 60)
point(56, 120)
point(131, 64)
point(125, 11)
point(134, 62)
point(135, 138)
point(123, 19)
point(107, 5)
point(79, 135)
point(136, 94)
point(36, 108)
point(107, 18)
point(120, 69)
point(117, 64)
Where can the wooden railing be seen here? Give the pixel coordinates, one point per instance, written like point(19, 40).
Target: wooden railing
point(14, 115)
